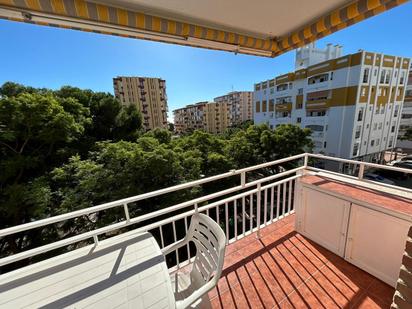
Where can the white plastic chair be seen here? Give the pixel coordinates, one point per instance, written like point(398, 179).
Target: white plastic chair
point(210, 241)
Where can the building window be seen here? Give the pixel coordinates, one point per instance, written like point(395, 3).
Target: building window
point(318, 79)
point(257, 107)
point(315, 127)
point(318, 95)
point(375, 126)
point(388, 76)
point(271, 105)
point(282, 114)
point(380, 125)
point(402, 78)
point(358, 131)
point(355, 149)
point(299, 120)
point(375, 72)
point(316, 113)
point(324, 144)
point(331, 75)
point(360, 114)
point(365, 75)
point(393, 127)
point(284, 100)
point(377, 142)
point(264, 106)
point(390, 141)
point(300, 91)
point(372, 143)
point(382, 80)
point(395, 114)
point(282, 87)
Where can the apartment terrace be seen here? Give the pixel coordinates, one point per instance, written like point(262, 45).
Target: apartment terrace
point(283, 269)
point(302, 237)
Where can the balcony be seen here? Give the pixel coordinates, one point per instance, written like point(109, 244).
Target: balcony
point(288, 236)
point(283, 269)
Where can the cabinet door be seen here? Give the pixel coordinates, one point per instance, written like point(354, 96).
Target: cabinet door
point(324, 219)
point(376, 242)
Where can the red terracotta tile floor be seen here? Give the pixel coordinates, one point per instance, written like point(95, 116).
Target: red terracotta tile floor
point(283, 269)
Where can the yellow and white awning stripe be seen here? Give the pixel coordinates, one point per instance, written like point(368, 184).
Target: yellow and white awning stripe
point(336, 20)
point(100, 18)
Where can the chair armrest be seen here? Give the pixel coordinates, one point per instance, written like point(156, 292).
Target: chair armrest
point(196, 295)
point(172, 247)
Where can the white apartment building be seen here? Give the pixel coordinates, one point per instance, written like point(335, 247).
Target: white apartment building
point(239, 105)
point(406, 117)
point(351, 103)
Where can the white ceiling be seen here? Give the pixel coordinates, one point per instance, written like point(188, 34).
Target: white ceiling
point(264, 18)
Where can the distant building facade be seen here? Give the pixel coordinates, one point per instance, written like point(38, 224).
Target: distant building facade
point(215, 117)
point(189, 118)
point(406, 118)
point(148, 94)
point(239, 106)
point(351, 103)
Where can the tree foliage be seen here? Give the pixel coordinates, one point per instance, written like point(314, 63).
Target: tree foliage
point(70, 148)
point(407, 136)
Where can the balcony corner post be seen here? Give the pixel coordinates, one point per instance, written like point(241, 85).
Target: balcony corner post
point(361, 171)
point(258, 201)
point(305, 160)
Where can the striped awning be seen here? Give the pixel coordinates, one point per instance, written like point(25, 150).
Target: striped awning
point(103, 18)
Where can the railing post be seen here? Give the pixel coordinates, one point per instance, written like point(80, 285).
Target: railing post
point(126, 212)
point(305, 160)
point(361, 170)
point(96, 240)
point(258, 200)
point(243, 179)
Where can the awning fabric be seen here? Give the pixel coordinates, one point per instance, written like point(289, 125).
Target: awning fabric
point(101, 18)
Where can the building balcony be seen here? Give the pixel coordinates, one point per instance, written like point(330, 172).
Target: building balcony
point(303, 237)
point(283, 269)
point(316, 134)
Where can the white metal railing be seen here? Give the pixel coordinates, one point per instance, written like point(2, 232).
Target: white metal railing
point(242, 209)
point(255, 186)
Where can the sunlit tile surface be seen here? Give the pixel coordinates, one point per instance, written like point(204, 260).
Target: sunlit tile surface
point(284, 269)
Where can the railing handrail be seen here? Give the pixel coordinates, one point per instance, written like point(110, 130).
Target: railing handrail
point(125, 201)
point(375, 165)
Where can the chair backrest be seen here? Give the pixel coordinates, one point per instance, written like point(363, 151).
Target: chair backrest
point(210, 242)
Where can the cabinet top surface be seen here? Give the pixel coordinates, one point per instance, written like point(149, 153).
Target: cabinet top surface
point(374, 197)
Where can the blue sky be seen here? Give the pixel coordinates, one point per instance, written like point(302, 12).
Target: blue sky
point(50, 57)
